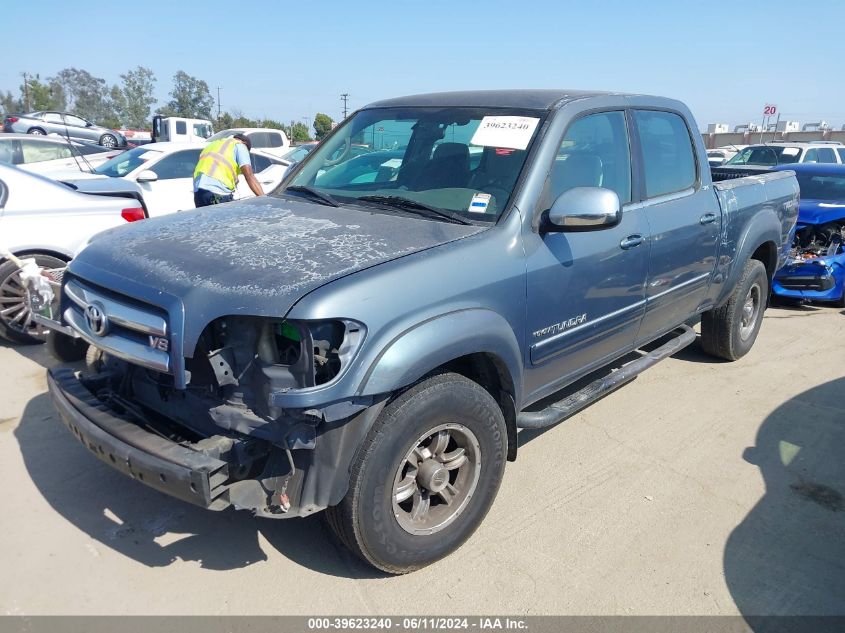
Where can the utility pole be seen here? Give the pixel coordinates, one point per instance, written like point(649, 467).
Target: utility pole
point(344, 97)
point(26, 91)
point(218, 103)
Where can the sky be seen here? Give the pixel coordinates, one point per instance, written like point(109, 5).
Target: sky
point(289, 60)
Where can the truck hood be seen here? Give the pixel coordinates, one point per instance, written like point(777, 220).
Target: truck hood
point(255, 257)
point(820, 211)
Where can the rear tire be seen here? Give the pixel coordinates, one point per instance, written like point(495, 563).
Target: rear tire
point(37, 131)
point(16, 324)
point(729, 332)
point(444, 438)
point(108, 140)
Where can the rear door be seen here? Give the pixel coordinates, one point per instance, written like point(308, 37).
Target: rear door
point(683, 216)
point(585, 290)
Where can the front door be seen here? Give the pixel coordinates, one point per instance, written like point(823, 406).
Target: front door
point(174, 189)
point(585, 289)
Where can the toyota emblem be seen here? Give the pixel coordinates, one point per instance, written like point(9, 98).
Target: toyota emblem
point(95, 318)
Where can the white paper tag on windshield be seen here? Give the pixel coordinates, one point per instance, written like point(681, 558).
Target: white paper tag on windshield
point(148, 155)
point(479, 203)
point(513, 132)
point(393, 163)
point(791, 151)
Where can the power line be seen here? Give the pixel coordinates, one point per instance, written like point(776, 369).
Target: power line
point(344, 97)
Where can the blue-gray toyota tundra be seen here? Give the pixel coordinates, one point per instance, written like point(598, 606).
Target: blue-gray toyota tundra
point(441, 271)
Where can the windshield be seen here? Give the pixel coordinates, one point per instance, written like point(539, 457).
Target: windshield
point(767, 155)
point(821, 186)
point(462, 160)
point(126, 162)
point(299, 153)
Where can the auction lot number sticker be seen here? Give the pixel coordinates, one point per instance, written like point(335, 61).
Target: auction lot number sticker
point(511, 132)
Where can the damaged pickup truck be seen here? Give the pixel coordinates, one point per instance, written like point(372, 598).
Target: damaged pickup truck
point(368, 339)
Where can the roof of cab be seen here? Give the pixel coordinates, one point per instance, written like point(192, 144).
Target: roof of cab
point(529, 99)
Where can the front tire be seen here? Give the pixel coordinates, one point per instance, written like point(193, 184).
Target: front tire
point(729, 332)
point(425, 476)
point(16, 322)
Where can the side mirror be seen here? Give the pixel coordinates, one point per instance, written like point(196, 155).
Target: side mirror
point(148, 175)
point(584, 209)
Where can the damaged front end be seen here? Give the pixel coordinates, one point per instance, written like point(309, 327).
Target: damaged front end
point(815, 268)
point(226, 433)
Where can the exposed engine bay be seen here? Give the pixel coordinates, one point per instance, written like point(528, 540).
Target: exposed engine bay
point(817, 240)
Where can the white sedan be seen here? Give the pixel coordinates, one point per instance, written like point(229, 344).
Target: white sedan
point(48, 221)
point(164, 173)
point(49, 154)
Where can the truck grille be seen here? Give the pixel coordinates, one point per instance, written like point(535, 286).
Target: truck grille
point(120, 326)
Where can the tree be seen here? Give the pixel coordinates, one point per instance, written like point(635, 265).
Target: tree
point(190, 97)
point(84, 94)
point(299, 133)
point(136, 97)
point(322, 125)
point(41, 95)
point(8, 103)
point(223, 122)
point(113, 109)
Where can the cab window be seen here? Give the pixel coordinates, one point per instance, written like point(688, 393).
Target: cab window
point(667, 152)
point(594, 152)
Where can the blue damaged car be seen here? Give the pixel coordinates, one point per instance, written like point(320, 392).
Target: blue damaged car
point(815, 269)
point(368, 339)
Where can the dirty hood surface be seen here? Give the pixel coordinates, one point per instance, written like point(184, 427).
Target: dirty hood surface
point(254, 257)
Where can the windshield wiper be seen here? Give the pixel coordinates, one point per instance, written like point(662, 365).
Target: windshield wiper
point(315, 193)
point(406, 204)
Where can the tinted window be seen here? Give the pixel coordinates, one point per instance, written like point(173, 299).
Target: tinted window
point(668, 159)
point(821, 186)
point(841, 155)
point(181, 127)
point(594, 153)
point(826, 155)
point(265, 139)
point(75, 120)
point(177, 165)
point(766, 155)
point(259, 163)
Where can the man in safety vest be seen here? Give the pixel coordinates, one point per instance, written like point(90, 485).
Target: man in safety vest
point(216, 174)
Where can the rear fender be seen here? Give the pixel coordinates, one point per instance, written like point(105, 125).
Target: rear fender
point(762, 228)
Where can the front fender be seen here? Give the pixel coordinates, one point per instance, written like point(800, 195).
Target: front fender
point(435, 342)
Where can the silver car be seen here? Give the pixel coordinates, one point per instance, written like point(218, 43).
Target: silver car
point(64, 124)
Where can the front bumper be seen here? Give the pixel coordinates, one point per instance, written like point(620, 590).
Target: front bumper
point(149, 458)
point(818, 279)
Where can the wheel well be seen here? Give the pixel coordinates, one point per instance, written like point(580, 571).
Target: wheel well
point(35, 127)
point(492, 374)
point(767, 253)
point(29, 252)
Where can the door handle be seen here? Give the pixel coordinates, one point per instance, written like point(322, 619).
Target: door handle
point(631, 241)
point(707, 218)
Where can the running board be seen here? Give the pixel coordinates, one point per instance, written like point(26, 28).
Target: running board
point(562, 409)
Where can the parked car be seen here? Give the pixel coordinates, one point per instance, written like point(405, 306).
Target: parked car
point(165, 173)
point(815, 269)
point(49, 154)
point(720, 155)
point(370, 344)
point(270, 141)
point(49, 221)
point(63, 124)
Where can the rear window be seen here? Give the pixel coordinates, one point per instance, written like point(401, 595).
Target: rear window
point(265, 139)
point(821, 186)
